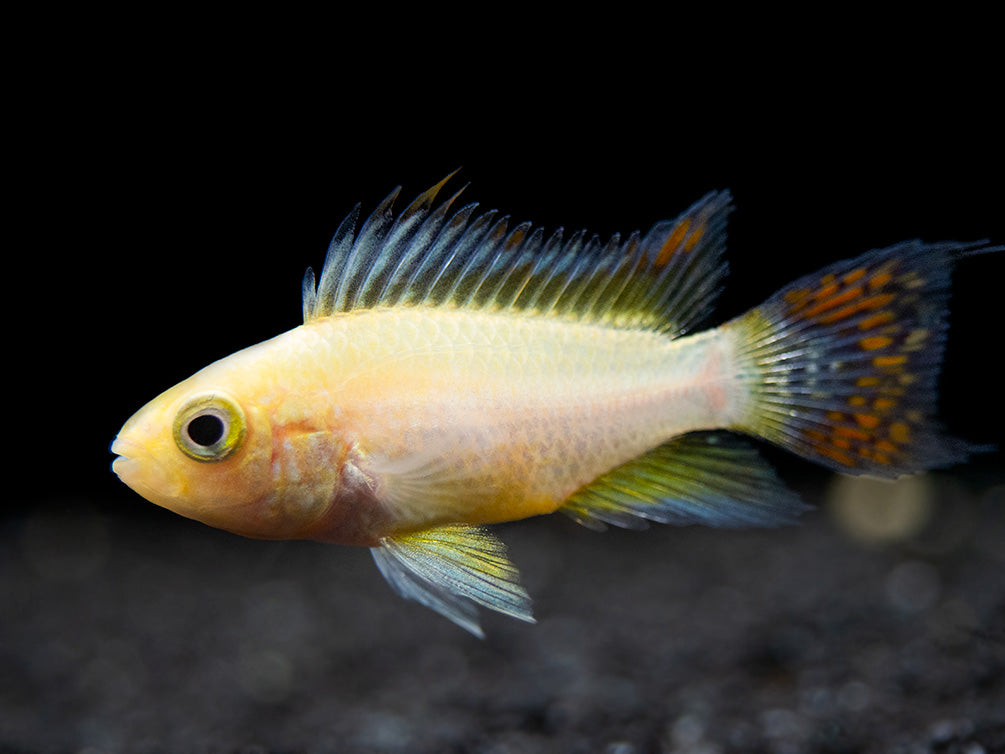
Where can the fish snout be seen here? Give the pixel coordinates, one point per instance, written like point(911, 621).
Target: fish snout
point(141, 471)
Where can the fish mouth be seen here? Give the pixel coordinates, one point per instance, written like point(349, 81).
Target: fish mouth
point(126, 452)
point(139, 470)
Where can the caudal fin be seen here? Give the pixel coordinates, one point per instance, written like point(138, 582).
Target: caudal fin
point(842, 365)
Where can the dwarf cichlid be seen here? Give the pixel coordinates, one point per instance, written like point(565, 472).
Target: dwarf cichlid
point(456, 370)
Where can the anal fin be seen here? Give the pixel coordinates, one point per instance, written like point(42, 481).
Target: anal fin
point(452, 569)
point(710, 478)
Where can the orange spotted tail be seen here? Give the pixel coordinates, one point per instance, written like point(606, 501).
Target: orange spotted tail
point(842, 365)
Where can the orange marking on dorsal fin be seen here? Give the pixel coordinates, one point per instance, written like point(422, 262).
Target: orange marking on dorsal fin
point(515, 238)
point(854, 275)
point(827, 288)
point(694, 238)
point(879, 280)
point(669, 247)
point(794, 297)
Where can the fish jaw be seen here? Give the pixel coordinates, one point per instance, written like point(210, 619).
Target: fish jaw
point(139, 470)
point(143, 463)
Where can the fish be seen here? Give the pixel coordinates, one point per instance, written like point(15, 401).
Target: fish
point(456, 369)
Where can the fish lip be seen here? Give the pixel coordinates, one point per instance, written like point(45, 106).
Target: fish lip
point(125, 452)
point(121, 446)
point(138, 469)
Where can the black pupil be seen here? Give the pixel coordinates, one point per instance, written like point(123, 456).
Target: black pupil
point(206, 430)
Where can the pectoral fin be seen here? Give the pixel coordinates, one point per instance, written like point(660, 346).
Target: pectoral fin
point(452, 569)
point(430, 484)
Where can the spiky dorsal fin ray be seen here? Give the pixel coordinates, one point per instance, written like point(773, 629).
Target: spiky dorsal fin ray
point(666, 280)
point(452, 569)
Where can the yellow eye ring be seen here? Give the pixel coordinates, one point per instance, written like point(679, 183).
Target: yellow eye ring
point(209, 427)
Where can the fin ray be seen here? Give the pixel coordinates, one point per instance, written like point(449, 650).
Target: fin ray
point(664, 281)
point(842, 364)
point(452, 568)
point(709, 478)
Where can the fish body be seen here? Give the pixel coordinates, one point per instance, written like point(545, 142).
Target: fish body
point(455, 372)
point(500, 418)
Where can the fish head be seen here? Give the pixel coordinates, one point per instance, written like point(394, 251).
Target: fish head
point(210, 449)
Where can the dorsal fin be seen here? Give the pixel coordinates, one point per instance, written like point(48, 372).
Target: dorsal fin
point(664, 281)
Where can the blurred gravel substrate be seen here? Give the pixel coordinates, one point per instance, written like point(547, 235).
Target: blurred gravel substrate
point(149, 633)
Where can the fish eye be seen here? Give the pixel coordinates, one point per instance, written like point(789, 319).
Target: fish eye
point(209, 427)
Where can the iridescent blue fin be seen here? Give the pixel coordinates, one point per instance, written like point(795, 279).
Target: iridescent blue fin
point(710, 478)
point(451, 569)
point(842, 365)
point(666, 280)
